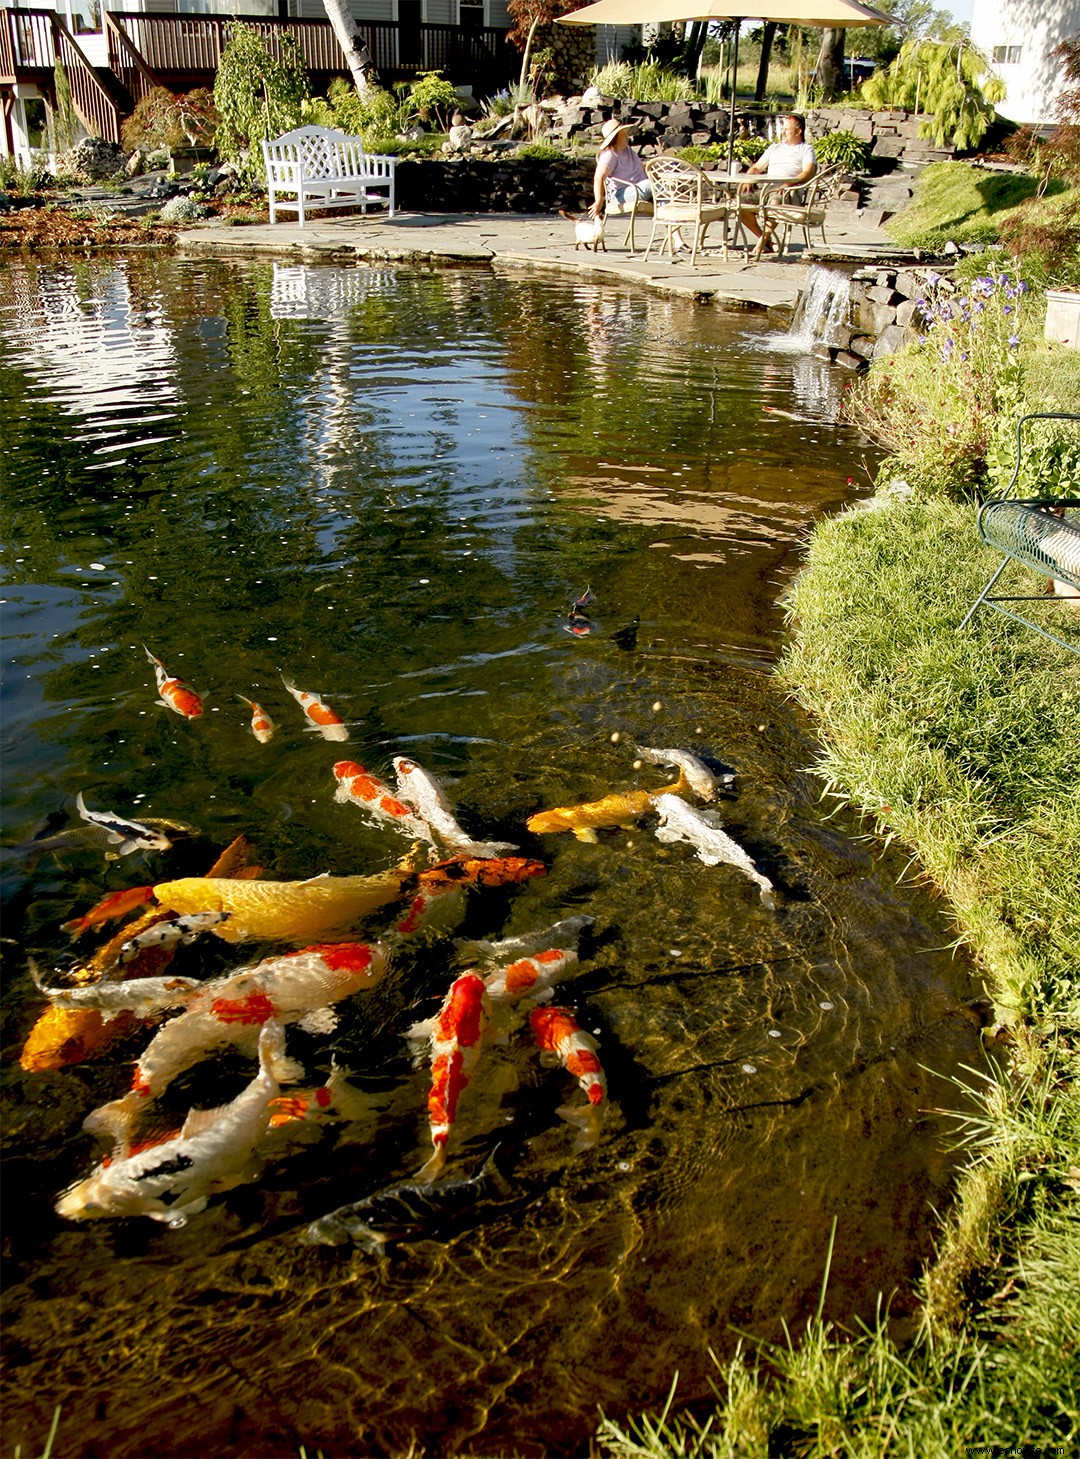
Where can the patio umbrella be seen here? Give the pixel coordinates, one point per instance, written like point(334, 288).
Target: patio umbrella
point(824, 13)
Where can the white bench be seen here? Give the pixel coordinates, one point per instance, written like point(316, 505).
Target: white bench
point(325, 169)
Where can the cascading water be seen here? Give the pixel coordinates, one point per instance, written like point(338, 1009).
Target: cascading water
point(824, 308)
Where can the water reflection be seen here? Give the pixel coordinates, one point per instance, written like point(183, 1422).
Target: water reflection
point(393, 497)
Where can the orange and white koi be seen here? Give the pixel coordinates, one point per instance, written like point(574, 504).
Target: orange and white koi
point(116, 904)
point(321, 717)
point(229, 1011)
point(440, 906)
point(262, 726)
point(173, 1180)
point(561, 1039)
point(176, 694)
point(361, 788)
point(531, 977)
point(455, 1036)
point(426, 796)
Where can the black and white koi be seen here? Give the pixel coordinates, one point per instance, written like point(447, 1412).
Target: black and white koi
point(125, 835)
point(176, 931)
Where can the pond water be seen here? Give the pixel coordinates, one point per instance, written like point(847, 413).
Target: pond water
point(390, 486)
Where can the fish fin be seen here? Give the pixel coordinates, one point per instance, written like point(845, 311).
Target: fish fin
point(420, 1033)
point(486, 850)
point(283, 1069)
point(113, 1121)
point(586, 1120)
point(198, 1121)
point(490, 1171)
point(768, 894)
point(176, 1216)
point(319, 1020)
point(585, 833)
point(431, 1169)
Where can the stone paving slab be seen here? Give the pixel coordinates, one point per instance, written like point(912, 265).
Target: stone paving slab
point(546, 242)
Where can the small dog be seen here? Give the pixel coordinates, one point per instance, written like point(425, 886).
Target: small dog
point(588, 232)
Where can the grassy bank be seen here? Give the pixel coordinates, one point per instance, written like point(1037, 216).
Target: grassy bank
point(961, 746)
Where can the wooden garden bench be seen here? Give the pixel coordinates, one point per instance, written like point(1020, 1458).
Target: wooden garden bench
point(1033, 532)
point(324, 169)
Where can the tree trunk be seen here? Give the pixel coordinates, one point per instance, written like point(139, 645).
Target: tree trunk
point(767, 35)
point(830, 63)
point(364, 75)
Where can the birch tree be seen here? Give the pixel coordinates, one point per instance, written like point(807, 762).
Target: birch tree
point(361, 66)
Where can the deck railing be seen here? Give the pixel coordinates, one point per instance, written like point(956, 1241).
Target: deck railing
point(187, 44)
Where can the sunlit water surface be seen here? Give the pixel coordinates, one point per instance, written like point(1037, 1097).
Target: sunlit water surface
point(390, 486)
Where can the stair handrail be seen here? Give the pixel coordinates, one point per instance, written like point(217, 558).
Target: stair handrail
point(147, 80)
point(96, 109)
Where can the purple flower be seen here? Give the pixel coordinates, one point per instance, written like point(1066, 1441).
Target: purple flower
point(984, 284)
point(1022, 287)
point(1014, 340)
point(1003, 280)
point(1006, 309)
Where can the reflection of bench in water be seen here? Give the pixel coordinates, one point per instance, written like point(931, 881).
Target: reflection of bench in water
point(1035, 533)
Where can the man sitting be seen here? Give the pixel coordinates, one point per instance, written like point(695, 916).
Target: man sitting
point(789, 160)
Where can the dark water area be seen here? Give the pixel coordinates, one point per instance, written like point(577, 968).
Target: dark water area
point(390, 486)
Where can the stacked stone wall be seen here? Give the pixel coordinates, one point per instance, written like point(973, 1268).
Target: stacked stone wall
point(884, 315)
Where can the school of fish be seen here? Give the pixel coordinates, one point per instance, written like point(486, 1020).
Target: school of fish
point(497, 990)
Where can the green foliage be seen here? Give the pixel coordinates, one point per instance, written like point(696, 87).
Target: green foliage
point(541, 152)
point(646, 81)
point(162, 120)
point(431, 92)
point(15, 178)
point(257, 94)
point(65, 124)
point(950, 82)
point(344, 110)
point(961, 202)
point(946, 405)
point(1045, 235)
point(843, 147)
point(749, 149)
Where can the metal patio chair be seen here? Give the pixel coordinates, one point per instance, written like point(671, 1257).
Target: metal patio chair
point(633, 209)
point(683, 197)
point(789, 206)
point(1034, 532)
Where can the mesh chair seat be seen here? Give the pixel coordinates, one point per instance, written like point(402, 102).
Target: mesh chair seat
point(1034, 536)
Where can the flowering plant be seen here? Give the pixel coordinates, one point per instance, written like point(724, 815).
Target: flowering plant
point(945, 406)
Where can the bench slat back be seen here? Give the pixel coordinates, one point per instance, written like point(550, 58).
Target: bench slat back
point(315, 153)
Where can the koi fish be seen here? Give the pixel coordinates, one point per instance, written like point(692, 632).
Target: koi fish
point(143, 998)
point(173, 932)
point(577, 620)
point(407, 1210)
point(423, 792)
point(455, 1036)
point(441, 905)
point(262, 726)
point(702, 829)
point(286, 911)
point(322, 718)
point(619, 809)
point(63, 1036)
point(531, 977)
point(363, 789)
point(694, 775)
point(229, 1012)
point(562, 1040)
point(116, 904)
point(564, 933)
point(480, 872)
point(127, 835)
point(176, 694)
point(174, 1180)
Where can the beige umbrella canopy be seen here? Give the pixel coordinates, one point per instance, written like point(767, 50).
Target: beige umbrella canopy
point(838, 13)
point(793, 12)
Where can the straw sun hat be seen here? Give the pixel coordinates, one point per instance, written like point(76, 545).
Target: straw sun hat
point(610, 130)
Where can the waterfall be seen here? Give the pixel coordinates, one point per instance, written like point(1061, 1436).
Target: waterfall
point(824, 308)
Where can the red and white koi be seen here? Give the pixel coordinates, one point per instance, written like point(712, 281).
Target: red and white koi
point(262, 726)
point(429, 907)
point(359, 787)
point(116, 904)
point(176, 694)
point(321, 718)
point(173, 1180)
point(561, 1039)
point(455, 1037)
point(229, 1011)
point(426, 796)
point(531, 977)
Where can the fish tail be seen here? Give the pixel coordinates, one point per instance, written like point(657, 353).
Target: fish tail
point(431, 1169)
point(586, 1120)
point(273, 1063)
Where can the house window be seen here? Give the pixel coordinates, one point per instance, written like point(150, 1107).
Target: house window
point(1007, 55)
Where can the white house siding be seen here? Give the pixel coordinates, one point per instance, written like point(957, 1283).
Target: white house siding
point(610, 40)
point(1030, 29)
point(441, 12)
point(497, 14)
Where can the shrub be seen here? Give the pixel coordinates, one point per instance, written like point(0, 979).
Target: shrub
point(843, 147)
point(950, 81)
point(1045, 235)
point(257, 94)
point(181, 210)
point(162, 120)
point(647, 81)
point(541, 152)
point(432, 93)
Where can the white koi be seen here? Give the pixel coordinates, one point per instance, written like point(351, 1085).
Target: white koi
point(419, 789)
point(174, 1180)
point(145, 998)
point(702, 830)
point(694, 772)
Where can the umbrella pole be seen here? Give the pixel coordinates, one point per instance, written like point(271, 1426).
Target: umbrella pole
point(734, 87)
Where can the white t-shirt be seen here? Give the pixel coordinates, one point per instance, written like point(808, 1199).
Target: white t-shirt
point(787, 159)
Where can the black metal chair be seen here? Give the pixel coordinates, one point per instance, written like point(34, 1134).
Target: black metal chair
point(1034, 532)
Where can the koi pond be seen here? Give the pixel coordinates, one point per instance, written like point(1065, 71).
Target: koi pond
point(391, 487)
